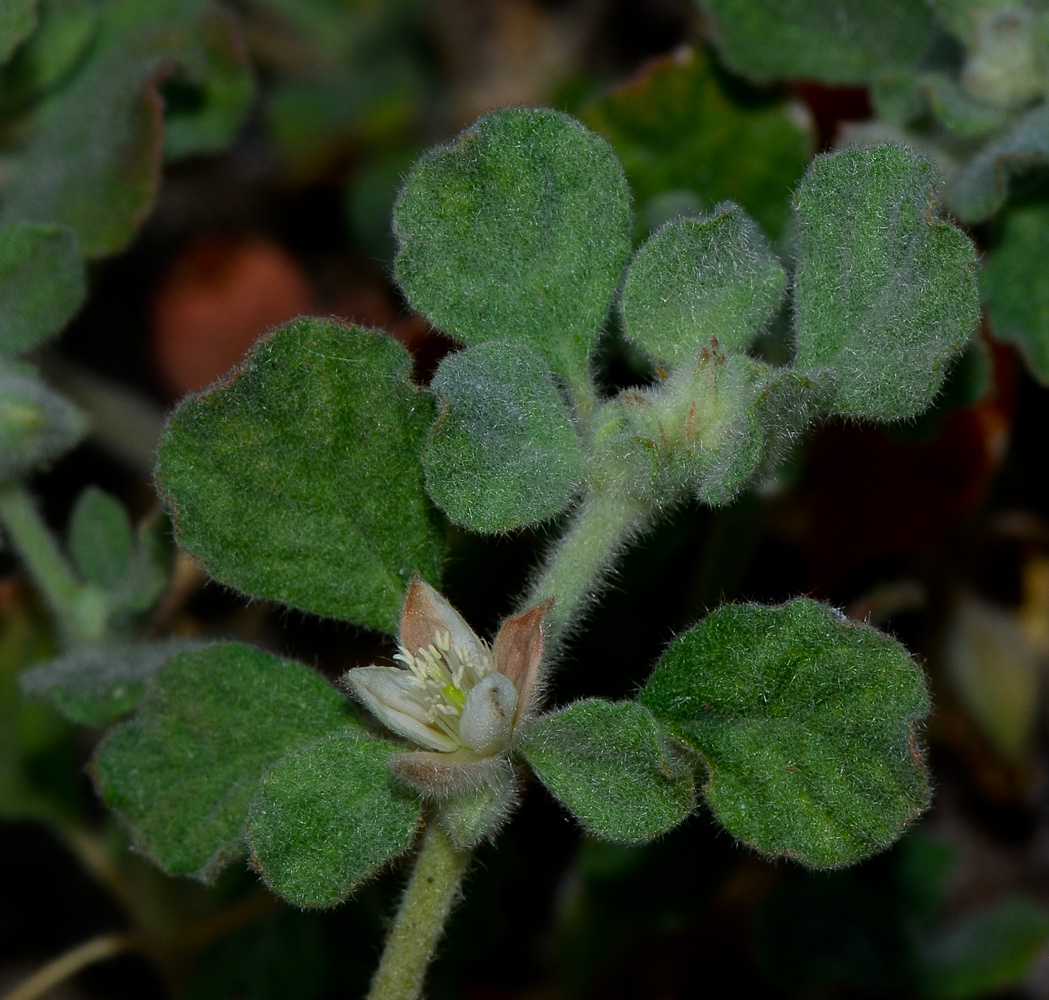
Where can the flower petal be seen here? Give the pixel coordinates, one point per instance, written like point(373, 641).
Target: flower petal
point(387, 693)
point(427, 614)
point(488, 716)
point(519, 652)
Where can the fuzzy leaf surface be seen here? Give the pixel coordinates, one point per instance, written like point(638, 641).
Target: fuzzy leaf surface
point(299, 478)
point(502, 452)
point(684, 141)
point(183, 772)
point(610, 766)
point(327, 817)
point(37, 424)
point(93, 686)
point(806, 722)
point(1014, 287)
point(885, 291)
point(41, 283)
point(517, 232)
point(697, 280)
point(848, 41)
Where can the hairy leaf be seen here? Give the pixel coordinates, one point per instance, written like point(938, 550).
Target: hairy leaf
point(183, 772)
point(610, 766)
point(327, 817)
point(502, 452)
point(885, 291)
point(518, 232)
point(299, 478)
point(697, 280)
point(806, 722)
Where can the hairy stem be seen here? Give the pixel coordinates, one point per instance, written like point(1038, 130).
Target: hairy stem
point(575, 566)
point(425, 906)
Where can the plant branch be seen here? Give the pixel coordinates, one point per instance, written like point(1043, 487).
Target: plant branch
point(575, 566)
point(40, 553)
point(71, 962)
point(425, 906)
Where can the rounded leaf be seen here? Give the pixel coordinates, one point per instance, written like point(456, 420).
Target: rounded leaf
point(299, 478)
point(517, 231)
point(609, 765)
point(807, 724)
point(698, 280)
point(502, 452)
point(327, 817)
point(885, 291)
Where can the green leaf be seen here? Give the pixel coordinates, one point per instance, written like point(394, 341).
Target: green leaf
point(985, 952)
point(93, 686)
point(17, 20)
point(327, 817)
point(36, 423)
point(980, 188)
point(684, 141)
point(517, 232)
point(1013, 285)
point(100, 539)
point(183, 772)
point(502, 452)
point(92, 158)
point(41, 283)
point(849, 41)
point(806, 722)
point(611, 767)
point(64, 30)
point(208, 101)
point(299, 478)
point(885, 291)
point(698, 280)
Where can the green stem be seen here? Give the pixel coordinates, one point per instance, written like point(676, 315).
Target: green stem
point(41, 555)
point(574, 568)
point(425, 906)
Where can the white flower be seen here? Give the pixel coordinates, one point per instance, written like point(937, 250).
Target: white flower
point(453, 690)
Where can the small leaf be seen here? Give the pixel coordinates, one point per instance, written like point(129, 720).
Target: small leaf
point(64, 30)
point(299, 479)
point(502, 452)
point(183, 772)
point(609, 765)
point(684, 142)
point(93, 686)
point(885, 291)
point(327, 817)
point(854, 41)
point(36, 423)
point(1013, 285)
point(701, 279)
point(516, 232)
point(41, 283)
point(17, 20)
point(806, 722)
point(100, 539)
point(984, 953)
point(980, 188)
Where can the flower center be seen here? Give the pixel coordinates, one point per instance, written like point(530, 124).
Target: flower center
point(443, 675)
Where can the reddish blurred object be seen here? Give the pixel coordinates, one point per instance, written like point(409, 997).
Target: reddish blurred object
point(220, 295)
point(830, 106)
